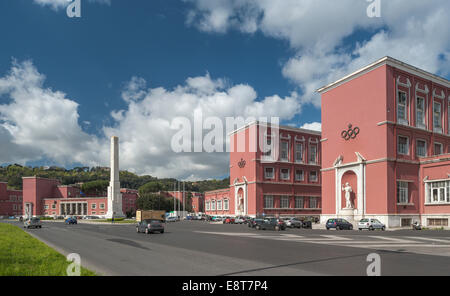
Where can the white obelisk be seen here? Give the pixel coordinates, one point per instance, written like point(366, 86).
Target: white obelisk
point(114, 195)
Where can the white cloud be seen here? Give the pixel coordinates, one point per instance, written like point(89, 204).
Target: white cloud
point(315, 126)
point(61, 4)
point(414, 31)
point(38, 122)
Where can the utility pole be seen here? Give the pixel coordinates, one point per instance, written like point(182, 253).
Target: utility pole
point(184, 198)
point(174, 189)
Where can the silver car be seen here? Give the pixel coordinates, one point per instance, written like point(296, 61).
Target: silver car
point(293, 223)
point(370, 224)
point(32, 223)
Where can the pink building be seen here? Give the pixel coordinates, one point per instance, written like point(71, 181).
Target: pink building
point(47, 197)
point(274, 171)
point(385, 146)
point(10, 201)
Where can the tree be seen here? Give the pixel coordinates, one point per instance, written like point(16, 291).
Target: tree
point(150, 187)
point(95, 187)
point(151, 201)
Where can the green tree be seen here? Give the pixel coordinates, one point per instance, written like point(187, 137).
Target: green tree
point(150, 201)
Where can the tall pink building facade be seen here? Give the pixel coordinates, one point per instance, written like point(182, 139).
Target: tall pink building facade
point(274, 171)
point(10, 201)
point(386, 146)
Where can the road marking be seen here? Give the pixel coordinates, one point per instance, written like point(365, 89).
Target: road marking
point(335, 237)
point(430, 239)
point(392, 239)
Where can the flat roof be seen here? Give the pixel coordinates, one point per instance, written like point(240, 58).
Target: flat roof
point(393, 63)
point(281, 127)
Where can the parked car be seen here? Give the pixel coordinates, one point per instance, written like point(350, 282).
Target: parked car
point(217, 219)
point(239, 220)
point(32, 223)
point(270, 224)
point(71, 221)
point(150, 226)
point(371, 224)
point(228, 220)
point(171, 219)
point(338, 224)
point(252, 222)
point(293, 223)
point(307, 224)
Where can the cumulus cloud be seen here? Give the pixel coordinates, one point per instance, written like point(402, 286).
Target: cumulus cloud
point(315, 126)
point(413, 31)
point(38, 122)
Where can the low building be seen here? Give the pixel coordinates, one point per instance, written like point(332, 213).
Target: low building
point(195, 202)
point(47, 197)
point(10, 201)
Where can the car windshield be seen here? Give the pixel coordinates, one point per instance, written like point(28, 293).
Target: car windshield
point(330, 220)
point(35, 219)
point(364, 220)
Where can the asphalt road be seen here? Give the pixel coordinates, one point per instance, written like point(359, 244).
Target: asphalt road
point(199, 248)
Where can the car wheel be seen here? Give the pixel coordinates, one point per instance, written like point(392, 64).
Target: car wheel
point(371, 228)
point(383, 228)
point(328, 228)
point(162, 231)
point(350, 227)
point(338, 228)
point(360, 229)
point(257, 227)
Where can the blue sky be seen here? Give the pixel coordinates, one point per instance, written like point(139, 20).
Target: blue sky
point(252, 58)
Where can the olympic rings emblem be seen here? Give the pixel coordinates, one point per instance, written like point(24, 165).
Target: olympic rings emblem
point(351, 133)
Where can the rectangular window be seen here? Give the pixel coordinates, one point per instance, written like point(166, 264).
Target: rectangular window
point(312, 155)
point(207, 204)
point(313, 202)
point(299, 152)
point(284, 202)
point(226, 205)
point(438, 149)
point(439, 192)
point(213, 205)
point(420, 113)
point(299, 176)
point(284, 153)
point(437, 222)
point(46, 207)
point(299, 202)
point(268, 201)
point(219, 205)
point(403, 145)
point(402, 107)
point(102, 206)
point(313, 176)
point(402, 192)
point(267, 153)
point(421, 149)
point(437, 117)
point(53, 206)
point(269, 173)
point(285, 174)
point(93, 206)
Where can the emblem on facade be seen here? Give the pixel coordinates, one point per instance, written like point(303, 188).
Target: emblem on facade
point(351, 133)
point(241, 163)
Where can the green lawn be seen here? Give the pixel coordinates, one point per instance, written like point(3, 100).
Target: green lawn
point(23, 255)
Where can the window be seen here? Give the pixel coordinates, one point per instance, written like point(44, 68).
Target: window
point(437, 117)
point(437, 222)
point(402, 107)
point(267, 153)
point(14, 207)
point(226, 205)
point(53, 206)
point(102, 206)
point(421, 149)
point(213, 205)
point(284, 202)
point(299, 202)
point(299, 152)
point(312, 155)
point(439, 192)
point(438, 150)
point(402, 192)
point(93, 206)
point(313, 202)
point(13, 198)
point(285, 174)
point(208, 206)
point(313, 176)
point(420, 113)
point(268, 201)
point(299, 176)
point(46, 207)
point(219, 205)
point(269, 173)
point(284, 155)
point(403, 145)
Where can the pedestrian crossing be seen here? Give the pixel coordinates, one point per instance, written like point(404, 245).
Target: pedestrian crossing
point(358, 241)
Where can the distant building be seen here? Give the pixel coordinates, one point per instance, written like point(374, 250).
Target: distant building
point(47, 197)
point(10, 201)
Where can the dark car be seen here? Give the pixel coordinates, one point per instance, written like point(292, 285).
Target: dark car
point(270, 224)
point(252, 222)
point(150, 226)
point(307, 224)
point(71, 220)
point(339, 224)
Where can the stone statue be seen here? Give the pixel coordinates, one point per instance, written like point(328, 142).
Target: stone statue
point(347, 189)
point(241, 204)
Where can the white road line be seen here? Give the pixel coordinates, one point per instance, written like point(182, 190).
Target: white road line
point(430, 239)
point(335, 237)
point(392, 239)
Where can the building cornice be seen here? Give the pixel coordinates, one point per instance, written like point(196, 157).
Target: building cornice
point(280, 127)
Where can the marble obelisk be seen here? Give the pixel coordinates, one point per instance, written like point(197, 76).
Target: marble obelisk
point(114, 195)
